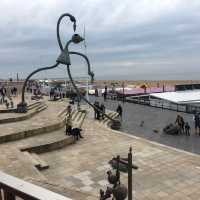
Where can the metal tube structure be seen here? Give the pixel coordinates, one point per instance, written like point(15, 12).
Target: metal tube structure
point(68, 67)
point(64, 58)
point(34, 72)
point(72, 18)
point(77, 90)
point(22, 107)
point(90, 73)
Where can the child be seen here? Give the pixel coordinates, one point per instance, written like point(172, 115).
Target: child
point(187, 129)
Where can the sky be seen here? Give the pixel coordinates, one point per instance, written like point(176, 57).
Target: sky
point(129, 39)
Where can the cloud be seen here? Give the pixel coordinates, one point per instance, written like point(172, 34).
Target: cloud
point(123, 37)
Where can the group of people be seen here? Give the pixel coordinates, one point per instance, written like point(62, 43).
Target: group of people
point(183, 126)
point(13, 91)
point(6, 98)
point(56, 93)
point(99, 110)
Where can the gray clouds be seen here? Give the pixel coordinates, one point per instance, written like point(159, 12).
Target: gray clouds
point(129, 38)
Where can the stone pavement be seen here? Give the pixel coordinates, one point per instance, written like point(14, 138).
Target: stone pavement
point(164, 172)
point(48, 116)
point(154, 118)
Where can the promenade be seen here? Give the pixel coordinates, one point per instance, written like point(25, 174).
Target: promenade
point(164, 173)
point(79, 170)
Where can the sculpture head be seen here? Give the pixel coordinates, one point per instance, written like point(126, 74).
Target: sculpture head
point(72, 18)
point(76, 38)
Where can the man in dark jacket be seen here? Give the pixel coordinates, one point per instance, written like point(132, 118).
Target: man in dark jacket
point(76, 132)
point(119, 110)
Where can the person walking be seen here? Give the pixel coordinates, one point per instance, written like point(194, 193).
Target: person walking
point(179, 123)
point(182, 124)
point(68, 126)
point(95, 110)
point(105, 93)
point(187, 129)
point(69, 111)
point(103, 110)
point(119, 110)
point(197, 123)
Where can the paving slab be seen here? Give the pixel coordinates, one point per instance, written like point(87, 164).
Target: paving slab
point(164, 172)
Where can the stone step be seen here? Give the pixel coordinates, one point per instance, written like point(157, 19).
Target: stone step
point(110, 114)
point(41, 108)
point(45, 121)
point(14, 117)
point(41, 163)
point(50, 141)
point(31, 132)
point(79, 119)
point(82, 118)
point(34, 105)
point(75, 115)
point(64, 113)
point(36, 161)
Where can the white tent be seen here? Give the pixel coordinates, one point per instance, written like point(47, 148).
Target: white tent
point(179, 97)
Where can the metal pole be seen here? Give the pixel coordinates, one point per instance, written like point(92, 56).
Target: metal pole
point(130, 174)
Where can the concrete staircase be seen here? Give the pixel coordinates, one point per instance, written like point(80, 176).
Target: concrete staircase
point(107, 121)
point(53, 140)
point(40, 131)
point(43, 143)
point(46, 120)
point(33, 109)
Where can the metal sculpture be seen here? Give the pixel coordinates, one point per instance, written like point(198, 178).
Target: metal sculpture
point(64, 58)
point(119, 191)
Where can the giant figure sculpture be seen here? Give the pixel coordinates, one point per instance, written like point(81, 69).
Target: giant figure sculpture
point(64, 58)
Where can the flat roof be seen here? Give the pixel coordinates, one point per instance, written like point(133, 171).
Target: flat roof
point(180, 97)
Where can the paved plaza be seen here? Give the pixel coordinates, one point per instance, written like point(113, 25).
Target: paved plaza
point(79, 170)
point(154, 118)
point(164, 173)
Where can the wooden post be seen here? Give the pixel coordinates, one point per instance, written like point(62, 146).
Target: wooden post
point(130, 174)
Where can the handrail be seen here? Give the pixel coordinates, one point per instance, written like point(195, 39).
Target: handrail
point(12, 187)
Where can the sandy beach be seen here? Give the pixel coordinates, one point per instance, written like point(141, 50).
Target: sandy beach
point(149, 83)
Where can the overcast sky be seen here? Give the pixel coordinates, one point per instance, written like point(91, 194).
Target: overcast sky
point(126, 39)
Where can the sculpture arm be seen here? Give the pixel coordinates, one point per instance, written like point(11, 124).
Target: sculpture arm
point(31, 74)
point(77, 90)
point(72, 18)
point(90, 73)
